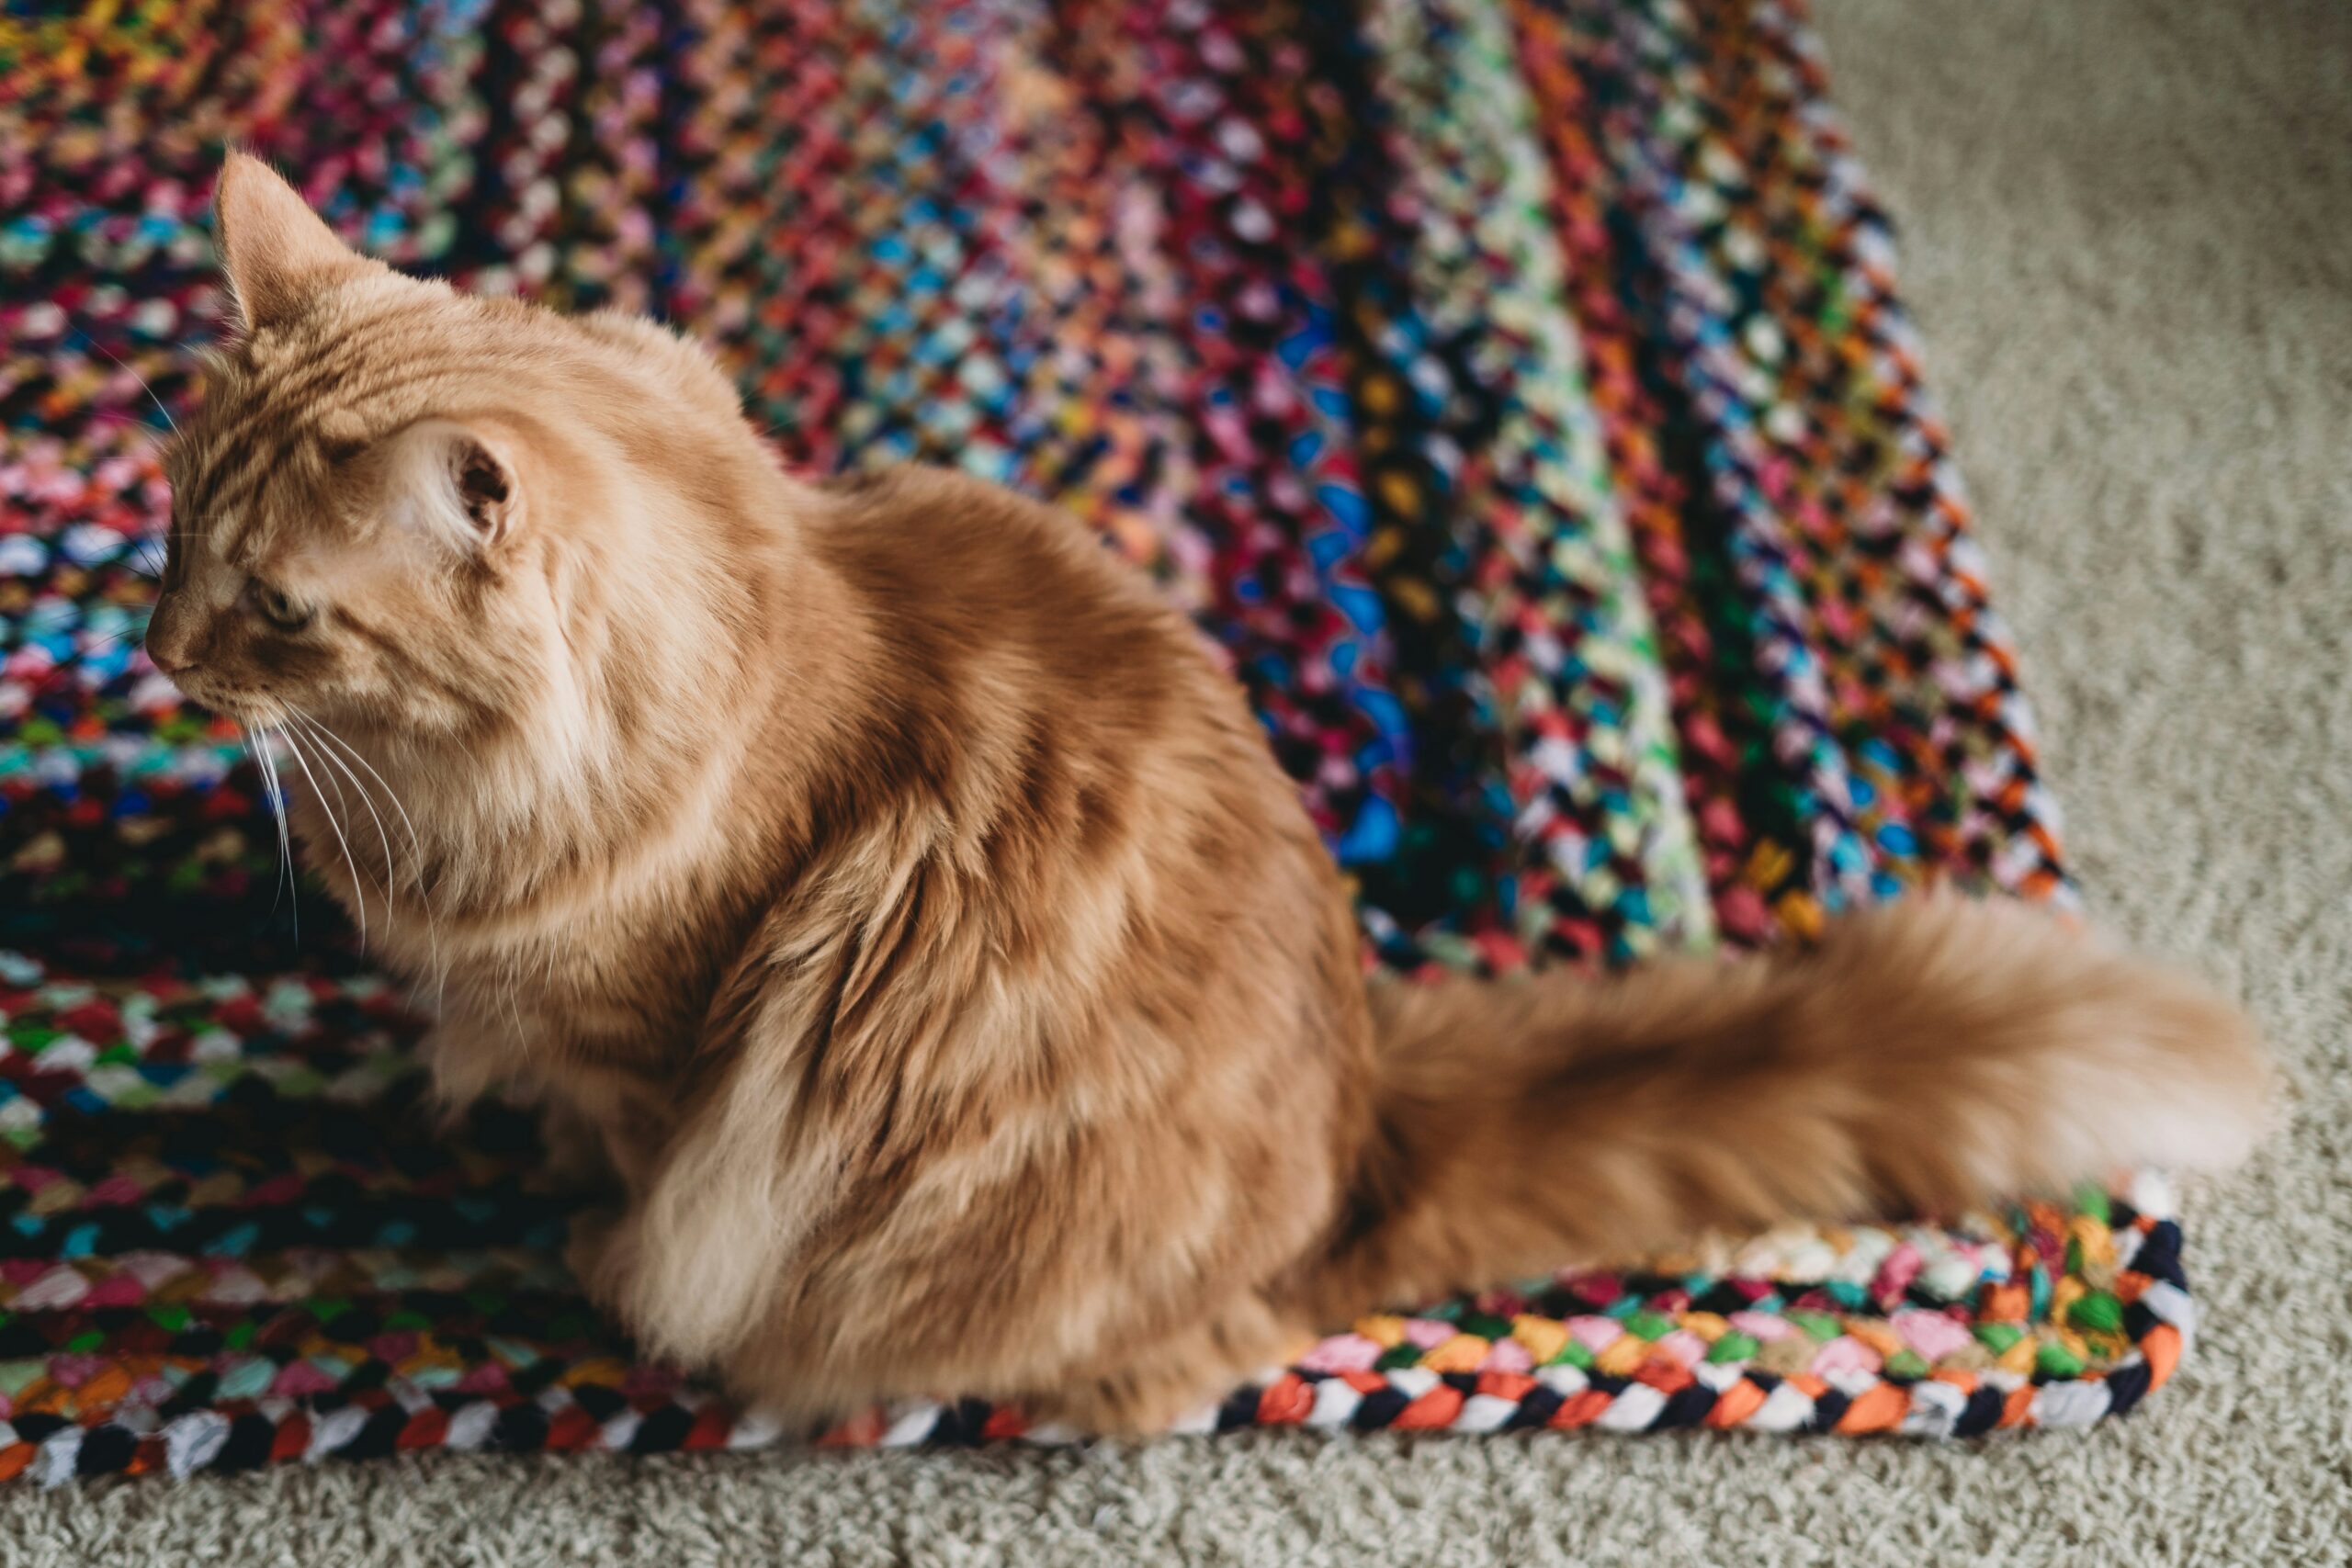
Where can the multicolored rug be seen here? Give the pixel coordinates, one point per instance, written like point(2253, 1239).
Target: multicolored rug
point(1515, 387)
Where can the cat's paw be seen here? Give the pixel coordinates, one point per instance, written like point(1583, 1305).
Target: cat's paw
point(1123, 1406)
point(1174, 1382)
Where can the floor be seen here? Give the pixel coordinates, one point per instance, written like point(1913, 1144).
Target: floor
point(2126, 238)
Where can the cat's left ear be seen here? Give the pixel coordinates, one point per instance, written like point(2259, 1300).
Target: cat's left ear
point(457, 483)
point(277, 252)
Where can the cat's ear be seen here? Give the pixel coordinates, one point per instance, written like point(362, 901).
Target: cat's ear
point(453, 483)
point(274, 249)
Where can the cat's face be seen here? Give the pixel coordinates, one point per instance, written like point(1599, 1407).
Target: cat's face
point(366, 504)
point(412, 510)
point(339, 555)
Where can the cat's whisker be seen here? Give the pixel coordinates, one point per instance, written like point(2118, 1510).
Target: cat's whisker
point(321, 732)
point(332, 743)
point(257, 748)
point(289, 878)
point(328, 755)
point(143, 384)
point(130, 634)
point(343, 805)
point(384, 838)
point(140, 426)
point(156, 547)
point(358, 887)
point(513, 1003)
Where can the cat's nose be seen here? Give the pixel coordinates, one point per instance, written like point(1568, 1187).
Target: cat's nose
point(173, 657)
point(171, 642)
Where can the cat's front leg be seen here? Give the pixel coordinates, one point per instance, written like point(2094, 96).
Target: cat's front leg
point(601, 1252)
point(574, 1158)
point(468, 1063)
point(469, 1058)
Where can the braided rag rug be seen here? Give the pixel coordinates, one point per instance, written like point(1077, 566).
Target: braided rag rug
point(1516, 388)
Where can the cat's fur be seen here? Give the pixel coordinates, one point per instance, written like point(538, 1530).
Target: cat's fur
point(899, 897)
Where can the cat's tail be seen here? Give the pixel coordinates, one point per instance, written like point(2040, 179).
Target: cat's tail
point(1925, 1057)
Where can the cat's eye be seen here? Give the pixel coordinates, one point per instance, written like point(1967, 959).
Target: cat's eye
point(278, 610)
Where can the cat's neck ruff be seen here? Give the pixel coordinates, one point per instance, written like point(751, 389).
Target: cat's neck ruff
point(571, 799)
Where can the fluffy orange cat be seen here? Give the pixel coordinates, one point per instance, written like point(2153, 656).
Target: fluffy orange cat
point(897, 900)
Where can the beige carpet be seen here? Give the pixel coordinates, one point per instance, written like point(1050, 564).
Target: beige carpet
point(2129, 237)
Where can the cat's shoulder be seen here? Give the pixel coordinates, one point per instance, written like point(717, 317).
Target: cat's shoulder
point(954, 559)
point(963, 530)
point(918, 497)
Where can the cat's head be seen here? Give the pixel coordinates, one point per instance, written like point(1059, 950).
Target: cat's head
point(393, 499)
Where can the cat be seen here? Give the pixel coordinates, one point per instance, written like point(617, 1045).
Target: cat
point(892, 896)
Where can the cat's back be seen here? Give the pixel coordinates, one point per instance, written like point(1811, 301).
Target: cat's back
point(1074, 755)
point(999, 609)
point(1068, 742)
point(988, 566)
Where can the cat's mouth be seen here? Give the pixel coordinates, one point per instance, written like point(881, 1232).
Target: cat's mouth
point(229, 699)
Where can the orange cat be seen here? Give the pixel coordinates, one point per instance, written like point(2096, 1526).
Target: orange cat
point(897, 897)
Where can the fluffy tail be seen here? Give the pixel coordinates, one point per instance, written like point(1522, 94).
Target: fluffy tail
point(1927, 1056)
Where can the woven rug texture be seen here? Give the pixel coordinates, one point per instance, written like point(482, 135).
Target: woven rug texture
point(1517, 389)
